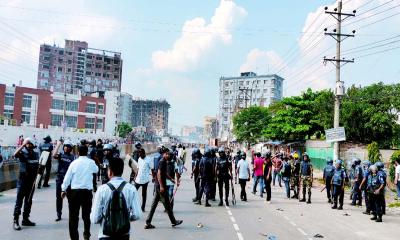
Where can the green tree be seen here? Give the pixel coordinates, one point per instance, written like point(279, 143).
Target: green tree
point(124, 129)
point(373, 152)
point(249, 123)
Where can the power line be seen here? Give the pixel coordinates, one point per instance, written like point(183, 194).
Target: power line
point(372, 43)
point(378, 52)
point(380, 20)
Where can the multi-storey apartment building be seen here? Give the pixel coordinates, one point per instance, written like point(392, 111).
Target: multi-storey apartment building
point(243, 91)
point(78, 67)
point(125, 108)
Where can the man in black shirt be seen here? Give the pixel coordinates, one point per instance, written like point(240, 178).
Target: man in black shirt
point(162, 193)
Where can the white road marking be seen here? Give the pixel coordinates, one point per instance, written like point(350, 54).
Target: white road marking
point(229, 213)
point(302, 232)
point(236, 227)
point(240, 236)
point(285, 217)
point(233, 219)
point(294, 224)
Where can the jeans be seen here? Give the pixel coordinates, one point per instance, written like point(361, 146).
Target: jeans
point(144, 193)
point(398, 188)
point(286, 180)
point(170, 189)
point(275, 174)
point(79, 198)
point(259, 180)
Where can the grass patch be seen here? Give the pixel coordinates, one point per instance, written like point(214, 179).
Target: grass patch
point(394, 204)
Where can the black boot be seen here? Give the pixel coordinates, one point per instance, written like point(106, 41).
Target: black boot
point(194, 199)
point(309, 201)
point(227, 202)
point(378, 219)
point(334, 206)
point(27, 222)
point(207, 204)
point(58, 218)
point(16, 225)
point(220, 203)
point(198, 202)
point(374, 218)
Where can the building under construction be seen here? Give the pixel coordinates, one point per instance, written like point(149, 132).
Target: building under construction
point(248, 89)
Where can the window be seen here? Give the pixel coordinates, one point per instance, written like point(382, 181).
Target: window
point(88, 73)
point(99, 124)
point(69, 70)
point(57, 104)
point(47, 49)
point(100, 109)
point(97, 74)
point(46, 58)
point(91, 108)
point(56, 120)
point(98, 66)
point(46, 66)
point(27, 101)
point(61, 52)
point(8, 113)
point(89, 123)
point(59, 69)
point(72, 106)
point(99, 58)
point(71, 121)
point(9, 99)
point(69, 61)
point(26, 116)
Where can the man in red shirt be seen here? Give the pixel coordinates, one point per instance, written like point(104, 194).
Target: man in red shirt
point(258, 173)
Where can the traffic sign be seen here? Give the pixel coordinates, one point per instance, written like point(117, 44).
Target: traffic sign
point(335, 134)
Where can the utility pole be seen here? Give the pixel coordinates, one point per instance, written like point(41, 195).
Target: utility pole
point(337, 61)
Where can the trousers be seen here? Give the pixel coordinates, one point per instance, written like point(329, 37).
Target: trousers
point(268, 187)
point(163, 197)
point(357, 197)
point(25, 191)
point(144, 193)
point(243, 194)
point(197, 187)
point(59, 200)
point(376, 203)
point(338, 193)
point(328, 187)
point(259, 180)
point(79, 198)
point(221, 182)
point(45, 174)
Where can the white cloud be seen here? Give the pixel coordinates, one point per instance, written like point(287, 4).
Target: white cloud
point(198, 38)
point(258, 60)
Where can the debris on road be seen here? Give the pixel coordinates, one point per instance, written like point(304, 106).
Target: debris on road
point(346, 214)
point(199, 225)
point(269, 237)
point(279, 209)
point(318, 236)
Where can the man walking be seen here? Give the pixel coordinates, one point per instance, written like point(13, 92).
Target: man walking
point(268, 176)
point(80, 178)
point(258, 167)
point(143, 177)
point(243, 172)
point(338, 181)
point(28, 170)
point(286, 171)
point(103, 202)
point(161, 193)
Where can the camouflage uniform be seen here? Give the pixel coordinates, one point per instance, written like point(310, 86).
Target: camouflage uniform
point(294, 177)
point(306, 172)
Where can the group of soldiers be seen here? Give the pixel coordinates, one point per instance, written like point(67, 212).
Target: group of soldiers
point(36, 163)
point(366, 179)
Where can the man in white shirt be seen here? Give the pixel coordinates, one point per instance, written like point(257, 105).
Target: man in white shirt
point(243, 172)
point(79, 178)
point(104, 194)
point(143, 177)
point(397, 177)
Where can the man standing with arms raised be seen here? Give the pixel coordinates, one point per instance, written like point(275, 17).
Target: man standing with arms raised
point(80, 178)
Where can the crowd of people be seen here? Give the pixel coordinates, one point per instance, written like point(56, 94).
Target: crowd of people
point(82, 166)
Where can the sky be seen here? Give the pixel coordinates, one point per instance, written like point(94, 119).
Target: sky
point(178, 50)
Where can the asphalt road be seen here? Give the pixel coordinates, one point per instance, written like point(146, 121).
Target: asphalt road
point(252, 220)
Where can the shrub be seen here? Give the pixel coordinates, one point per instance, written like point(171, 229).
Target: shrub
point(373, 152)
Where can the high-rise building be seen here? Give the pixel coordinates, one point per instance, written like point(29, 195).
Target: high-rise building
point(78, 67)
point(125, 108)
point(210, 128)
point(151, 114)
point(246, 90)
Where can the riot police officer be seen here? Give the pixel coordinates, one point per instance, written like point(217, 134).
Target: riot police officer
point(329, 170)
point(306, 176)
point(28, 170)
point(236, 158)
point(358, 177)
point(48, 147)
point(383, 175)
point(207, 176)
point(376, 183)
point(338, 181)
point(64, 160)
point(364, 186)
point(214, 182)
point(224, 174)
point(295, 176)
point(108, 156)
point(196, 157)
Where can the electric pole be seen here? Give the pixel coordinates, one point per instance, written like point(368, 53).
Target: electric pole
point(338, 61)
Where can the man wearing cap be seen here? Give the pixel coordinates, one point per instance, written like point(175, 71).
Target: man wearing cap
point(64, 158)
point(28, 170)
point(46, 146)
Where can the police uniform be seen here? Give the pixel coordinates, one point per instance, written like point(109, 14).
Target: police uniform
point(223, 169)
point(28, 170)
point(358, 176)
point(196, 172)
point(64, 160)
point(48, 147)
point(338, 181)
point(376, 200)
point(207, 178)
point(306, 173)
point(294, 177)
point(329, 170)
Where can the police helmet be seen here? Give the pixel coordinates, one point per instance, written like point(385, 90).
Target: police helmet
point(68, 143)
point(221, 150)
point(138, 145)
point(306, 154)
point(373, 168)
point(356, 161)
point(47, 139)
point(329, 160)
point(107, 147)
point(207, 152)
point(366, 163)
point(379, 165)
point(339, 162)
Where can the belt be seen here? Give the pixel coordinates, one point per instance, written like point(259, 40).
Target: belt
point(33, 161)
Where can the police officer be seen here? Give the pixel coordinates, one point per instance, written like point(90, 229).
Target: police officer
point(338, 181)
point(214, 182)
point(358, 177)
point(383, 175)
point(174, 152)
point(224, 174)
point(196, 157)
point(48, 147)
point(64, 160)
point(28, 170)
point(364, 185)
point(306, 177)
point(107, 157)
point(295, 176)
point(207, 176)
point(329, 170)
point(376, 183)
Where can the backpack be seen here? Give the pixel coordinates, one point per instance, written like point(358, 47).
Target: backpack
point(116, 219)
